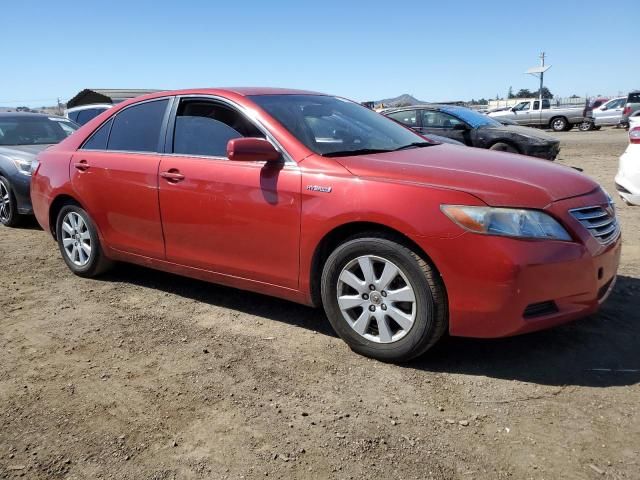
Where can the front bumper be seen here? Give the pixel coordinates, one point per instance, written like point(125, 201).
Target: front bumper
point(546, 152)
point(21, 184)
point(499, 286)
point(628, 176)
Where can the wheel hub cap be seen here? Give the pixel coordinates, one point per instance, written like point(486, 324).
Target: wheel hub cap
point(376, 299)
point(76, 239)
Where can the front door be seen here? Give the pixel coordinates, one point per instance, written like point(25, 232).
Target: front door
point(440, 123)
point(236, 218)
point(115, 173)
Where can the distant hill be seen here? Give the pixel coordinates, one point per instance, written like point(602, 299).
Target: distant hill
point(401, 100)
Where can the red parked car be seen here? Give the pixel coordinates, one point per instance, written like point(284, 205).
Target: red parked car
point(321, 201)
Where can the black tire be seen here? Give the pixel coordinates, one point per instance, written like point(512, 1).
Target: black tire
point(9, 216)
point(431, 307)
point(558, 124)
point(504, 147)
point(597, 127)
point(586, 126)
point(97, 263)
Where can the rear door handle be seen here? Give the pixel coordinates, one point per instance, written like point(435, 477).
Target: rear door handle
point(82, 165)
point(172, 175)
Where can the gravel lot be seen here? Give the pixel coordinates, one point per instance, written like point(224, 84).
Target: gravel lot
point(146, 375)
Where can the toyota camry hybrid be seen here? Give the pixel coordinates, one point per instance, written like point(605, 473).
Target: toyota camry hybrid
point(319, 200)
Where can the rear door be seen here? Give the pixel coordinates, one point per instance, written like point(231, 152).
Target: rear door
point(444, 124)
point(240, 219)
point(115, 173)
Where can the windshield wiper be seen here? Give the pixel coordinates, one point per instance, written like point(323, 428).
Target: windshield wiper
point(360, 151)
point(415, 145)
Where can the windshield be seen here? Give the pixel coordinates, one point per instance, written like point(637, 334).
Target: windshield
point(333, 126)
point(471, 117)
point(34, 130)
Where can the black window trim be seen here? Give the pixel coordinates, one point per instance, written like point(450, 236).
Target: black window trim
point(161, 137)
point(225, 102)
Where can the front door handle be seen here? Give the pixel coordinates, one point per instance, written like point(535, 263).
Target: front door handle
point(82, 165)
point(173, 175)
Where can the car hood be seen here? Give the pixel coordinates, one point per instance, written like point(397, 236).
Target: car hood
point(497, 178)
point(532, 134)
point(22, 151)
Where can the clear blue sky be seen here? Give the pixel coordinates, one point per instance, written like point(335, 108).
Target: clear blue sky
point(363, 50)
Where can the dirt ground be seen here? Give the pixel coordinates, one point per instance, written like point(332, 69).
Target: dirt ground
point(146, 375)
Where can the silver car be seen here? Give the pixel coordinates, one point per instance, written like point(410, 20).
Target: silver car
point(610, 113)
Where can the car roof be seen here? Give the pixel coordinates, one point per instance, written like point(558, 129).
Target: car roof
point(27, 115)
point(243, 91)
point(89, 106)
point(425, 106)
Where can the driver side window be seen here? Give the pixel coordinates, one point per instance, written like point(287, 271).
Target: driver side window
point(204, 128)
point(436, 119)
point(522, 106)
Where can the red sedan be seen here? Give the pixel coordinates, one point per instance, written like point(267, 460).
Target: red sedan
point(321, 201)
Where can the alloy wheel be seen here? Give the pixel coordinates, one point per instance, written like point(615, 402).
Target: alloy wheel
point(5, 203)
point(376, 299)
point(76, 239)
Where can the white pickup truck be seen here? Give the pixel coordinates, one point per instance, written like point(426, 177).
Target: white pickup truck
point(531, 114)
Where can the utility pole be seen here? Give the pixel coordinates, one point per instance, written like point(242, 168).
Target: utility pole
point(539, 72)
point(542, 55)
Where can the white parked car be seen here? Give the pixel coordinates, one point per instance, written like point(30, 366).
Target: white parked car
point(628, 177)
point(610, 113)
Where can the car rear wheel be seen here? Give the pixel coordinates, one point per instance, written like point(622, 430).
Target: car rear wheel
point(504, 147)
point(9, 215)
point(383, 300)
point(79, 243)
point(559, 124)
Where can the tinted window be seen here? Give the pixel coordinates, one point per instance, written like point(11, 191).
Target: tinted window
point(98, 141)
point(405, 117)
point(205, 128)
point(137, 128)
point(89, 114)
point(34, 130)
point(634, 97)
point(73, 116)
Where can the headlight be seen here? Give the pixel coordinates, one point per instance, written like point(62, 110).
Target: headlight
point(23, 166)
point(509, 222)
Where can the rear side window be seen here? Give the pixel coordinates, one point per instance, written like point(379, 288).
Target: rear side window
point(73, 116)
point(98, 141)
point(634, 97)
point(405, 117)
point(137, 128)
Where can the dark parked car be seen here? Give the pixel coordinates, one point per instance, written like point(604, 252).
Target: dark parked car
point(22, 137)
point(475, 129)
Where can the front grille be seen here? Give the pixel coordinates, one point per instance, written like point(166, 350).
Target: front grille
point(600, 222)
point(540, 309)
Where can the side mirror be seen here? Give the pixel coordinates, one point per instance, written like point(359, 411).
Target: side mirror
point(513, 109)
point(252, 150)
point(460, 126)
point(603, 108)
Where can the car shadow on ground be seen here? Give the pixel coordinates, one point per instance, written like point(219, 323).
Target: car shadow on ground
point(599, 351)
point(220, 296)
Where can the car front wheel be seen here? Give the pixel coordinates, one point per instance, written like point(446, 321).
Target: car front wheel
point(383, 299)
point(79, 243)
point(9, 216)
